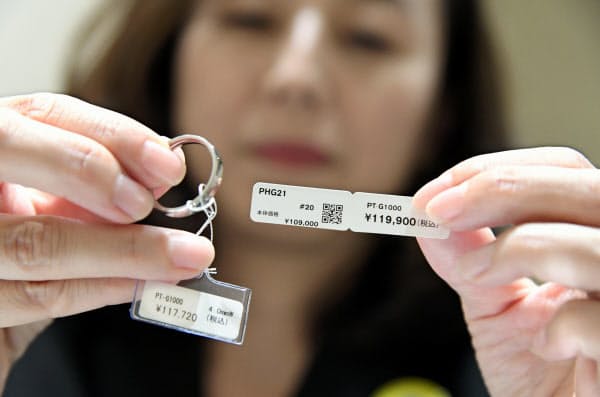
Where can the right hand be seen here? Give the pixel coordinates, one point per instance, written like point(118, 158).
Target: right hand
point(66, 242)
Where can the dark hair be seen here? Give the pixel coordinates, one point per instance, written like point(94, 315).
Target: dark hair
point(134, 77)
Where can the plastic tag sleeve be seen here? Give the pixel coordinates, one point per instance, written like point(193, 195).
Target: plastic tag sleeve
point(201, 306)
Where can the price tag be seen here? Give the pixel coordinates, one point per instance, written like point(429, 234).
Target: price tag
point(389, 214)
point(201, 306)
point(341, 210)
point(300, 206)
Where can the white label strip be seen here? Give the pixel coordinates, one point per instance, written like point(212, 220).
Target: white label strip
point(195, 310)
point(341, 210)
point(300, 206)
point(389, 214)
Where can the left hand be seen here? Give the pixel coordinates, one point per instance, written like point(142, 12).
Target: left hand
point(531, 338)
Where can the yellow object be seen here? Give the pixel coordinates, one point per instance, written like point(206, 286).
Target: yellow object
point(410, 387)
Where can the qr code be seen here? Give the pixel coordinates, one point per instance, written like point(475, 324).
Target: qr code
point(332, 213)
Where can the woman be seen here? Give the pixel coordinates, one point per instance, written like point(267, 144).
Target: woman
point(374, 96)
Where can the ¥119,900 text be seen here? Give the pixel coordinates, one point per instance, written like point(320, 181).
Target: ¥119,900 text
point(399, 220)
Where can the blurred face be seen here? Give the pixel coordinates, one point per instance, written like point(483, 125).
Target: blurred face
point(329, 93)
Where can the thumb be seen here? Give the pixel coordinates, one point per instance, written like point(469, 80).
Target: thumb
point(443, 256)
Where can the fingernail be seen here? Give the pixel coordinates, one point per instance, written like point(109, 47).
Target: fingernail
point(189, 251)
point(131, 198)
point(447, 205)
point(162, 163)
point(431, 189)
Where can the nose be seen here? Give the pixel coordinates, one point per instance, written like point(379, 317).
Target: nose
point(296, 78)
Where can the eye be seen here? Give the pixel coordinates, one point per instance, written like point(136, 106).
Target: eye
point(249, 20)
point(368, 41)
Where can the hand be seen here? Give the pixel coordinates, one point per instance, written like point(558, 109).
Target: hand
point(66, 245)
point(532, 338)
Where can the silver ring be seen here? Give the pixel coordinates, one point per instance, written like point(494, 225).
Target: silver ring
point(206, 191)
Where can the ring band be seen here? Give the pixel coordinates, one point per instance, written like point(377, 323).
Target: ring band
point(206, 191)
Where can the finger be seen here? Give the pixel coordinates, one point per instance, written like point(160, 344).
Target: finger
point(572, 332)
point(48, 204)
point(19, 200)
point(478, 301)
point(562, 253)
point(23, 302)
point(71, 166)
point(48, 248)
point(586, 378)
point(514, 194)
point(545, 156)
point(144, 154)
point(159, 192)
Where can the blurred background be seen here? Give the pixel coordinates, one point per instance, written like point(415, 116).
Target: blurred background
point(550, 50)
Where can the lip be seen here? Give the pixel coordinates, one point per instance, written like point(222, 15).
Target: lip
point(292, 154)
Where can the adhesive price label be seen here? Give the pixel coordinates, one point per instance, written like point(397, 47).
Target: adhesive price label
point(341, 210)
